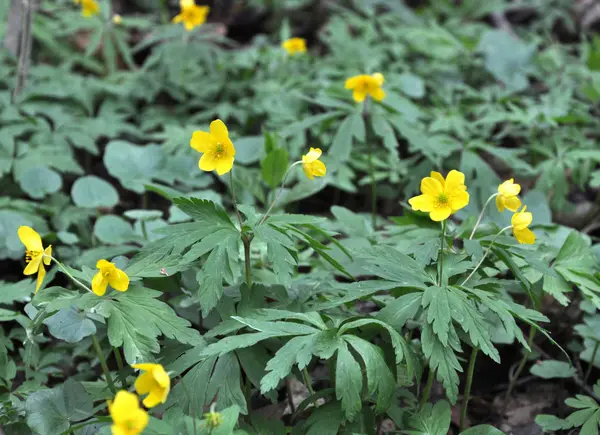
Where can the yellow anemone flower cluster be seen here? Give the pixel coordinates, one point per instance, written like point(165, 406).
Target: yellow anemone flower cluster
point(366, 85)
point(294, 46)
point(191, 15)
point(218, 152)
point(127, 415)
point(88, 7)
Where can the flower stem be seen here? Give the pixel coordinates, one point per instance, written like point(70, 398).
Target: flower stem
point(515, 377)
point(369, 140)
point(234, 200)
point(66, 272)
point(246, 241)
point(485, 255)
point(467, 395)
point(589, 369)
point(103, 364)
point(441, 255)
point(308, 382)
point(119, 360)
point(427, 391)
point(481, 215)
point(278, 194)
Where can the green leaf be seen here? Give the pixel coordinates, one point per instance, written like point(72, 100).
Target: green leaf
point(51, 412)
point(485, 429)
point(380, 381)
point(93, 192)
point(204, 212)
point(341, 148)
point(225, 384)
point(443, 359)
point(273, 166)
point(412, 85)
point(400, 310)
point(325, 420)
point(70, 325)
point(37, 182)
point(248, 149)
point(551, 369)
point(435, 299)
point(432, 420)
point(298, 350)
point(137, 318)
point(551, 423)
point(134, 166)
point(348, 382)
point(114, 230)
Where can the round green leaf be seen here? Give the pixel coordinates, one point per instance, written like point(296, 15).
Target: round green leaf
point(133, 165)
point(113, 230)
point(248, 149)
point(70, 325)
point(553, 369)
point(37, 182)
point(93, 192)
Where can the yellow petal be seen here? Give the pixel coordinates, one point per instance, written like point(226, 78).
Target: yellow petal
point(359, 95)
point(318, 168)
point(99, 284)
point(431, 187)
point(155, 397)
point(219, 131)
point(307, 171)
point(378, 77)
point(313, 154)
point(161, 376)
point(439, 177)
point(524, 236)
point(455, 180)
point(31, 239)
point(144, 383)
point(40, 277)
point(124, 406)
point(458, 200)
point(422, 203)
point(119, 280)
point(207, 162)
point(101, 264)
point(229, 148)
point(202, 141)
point(33, 266)
point(47, 257)
point(513, 203)
point(177, 19)
point(352, 82)
point(440, 214)
point(224, 165)
point(500, 202)
point(378, 94)
point(509, 188)
point(144, 366)
point(522, 219)
point(119, 430)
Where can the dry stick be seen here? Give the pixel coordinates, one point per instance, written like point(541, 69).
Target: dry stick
point(24, 46)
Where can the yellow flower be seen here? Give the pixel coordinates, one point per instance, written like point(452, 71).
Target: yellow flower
point(191, 15)
point(312, 166)
point(154, 381)
point(88, 7)
point(35, 255)
point(294, 46)
point(213, 419)
point(217, 148)
point(440, 198)
point(128, 417)
point(117, 19)
point(109, 274)
point(507, 196)
point(364, 85)
point(520, 221)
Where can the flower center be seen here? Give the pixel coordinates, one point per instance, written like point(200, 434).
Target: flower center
point(30, 255)
point(219, 151)
point(442, 201)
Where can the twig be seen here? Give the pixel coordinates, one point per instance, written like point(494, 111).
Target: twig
point(24, 46)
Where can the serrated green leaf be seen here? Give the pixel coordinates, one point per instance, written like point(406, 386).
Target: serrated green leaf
point(348, 382)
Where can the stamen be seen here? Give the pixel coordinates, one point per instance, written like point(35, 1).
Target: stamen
point(442, 201)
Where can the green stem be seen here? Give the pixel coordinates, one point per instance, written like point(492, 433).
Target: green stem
point(441, 255)
point(485, 255)
point(481, 215)
point(278, 194)
point(120, 367)
point(515, 377)
point(308, 383)
point(234, 200)
point(103, 364)
point(589, 369)
point(66, 272)
point(369, 140)
point(467, 395)
point(164, 11)
point(247, 260)
point(427, 391)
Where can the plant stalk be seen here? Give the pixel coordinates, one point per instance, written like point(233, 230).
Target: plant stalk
point(66, 272)
point(485, 255)
point(591, 365)
point(427, 392)
point(247, 260)
point(119, 360)
point(481, 215)
point(278, 194)
point(515, 377)
point(369, 140)
point(103, 364)
point(467, 395)
point(441, 255)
